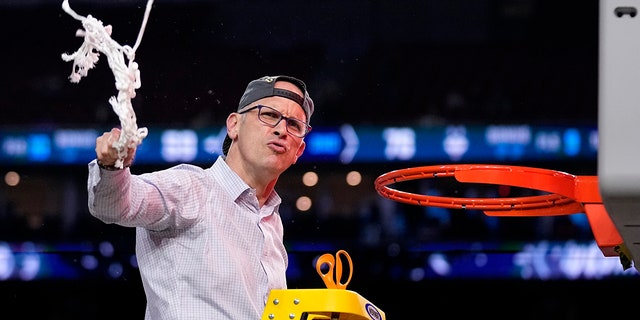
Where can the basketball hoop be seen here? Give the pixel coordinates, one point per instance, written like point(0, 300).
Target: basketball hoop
point(564, 194)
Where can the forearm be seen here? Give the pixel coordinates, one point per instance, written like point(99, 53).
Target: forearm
point(109, 193)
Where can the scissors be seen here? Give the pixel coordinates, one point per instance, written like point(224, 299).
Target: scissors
point(333, 280)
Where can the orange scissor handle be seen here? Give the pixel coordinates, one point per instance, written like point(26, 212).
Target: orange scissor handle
point(333, 278)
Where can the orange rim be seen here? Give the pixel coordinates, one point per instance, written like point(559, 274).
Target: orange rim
point(566, 192)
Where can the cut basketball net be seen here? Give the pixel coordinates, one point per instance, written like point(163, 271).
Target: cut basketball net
point(97, 38)
point(565, 194)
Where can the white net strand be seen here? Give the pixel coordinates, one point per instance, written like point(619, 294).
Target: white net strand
point(97, 38)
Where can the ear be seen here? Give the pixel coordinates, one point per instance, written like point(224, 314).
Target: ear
point(299, 152)
point(232, 125)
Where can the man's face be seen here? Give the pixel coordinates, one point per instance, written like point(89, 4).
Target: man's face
point(269, 148)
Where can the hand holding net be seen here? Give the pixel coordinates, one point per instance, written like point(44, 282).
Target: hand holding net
point(97, 39)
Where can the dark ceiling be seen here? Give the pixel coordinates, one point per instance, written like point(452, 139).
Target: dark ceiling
point(366, 62)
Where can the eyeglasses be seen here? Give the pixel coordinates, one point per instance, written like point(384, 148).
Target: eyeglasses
point(272, 117)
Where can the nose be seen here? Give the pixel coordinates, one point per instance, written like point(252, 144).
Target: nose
point(281, 127)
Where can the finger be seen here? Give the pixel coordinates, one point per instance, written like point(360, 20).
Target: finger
point(105, 152)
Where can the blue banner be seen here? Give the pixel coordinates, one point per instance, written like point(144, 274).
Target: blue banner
point(343, 144)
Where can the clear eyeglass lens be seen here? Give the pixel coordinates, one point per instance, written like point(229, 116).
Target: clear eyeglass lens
point(272, 117)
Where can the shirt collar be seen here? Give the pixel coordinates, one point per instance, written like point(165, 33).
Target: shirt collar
point(234, 185)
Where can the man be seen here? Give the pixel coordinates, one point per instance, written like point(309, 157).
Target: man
point(209, 242)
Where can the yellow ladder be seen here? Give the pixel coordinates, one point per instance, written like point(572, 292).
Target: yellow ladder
point(319, 304)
